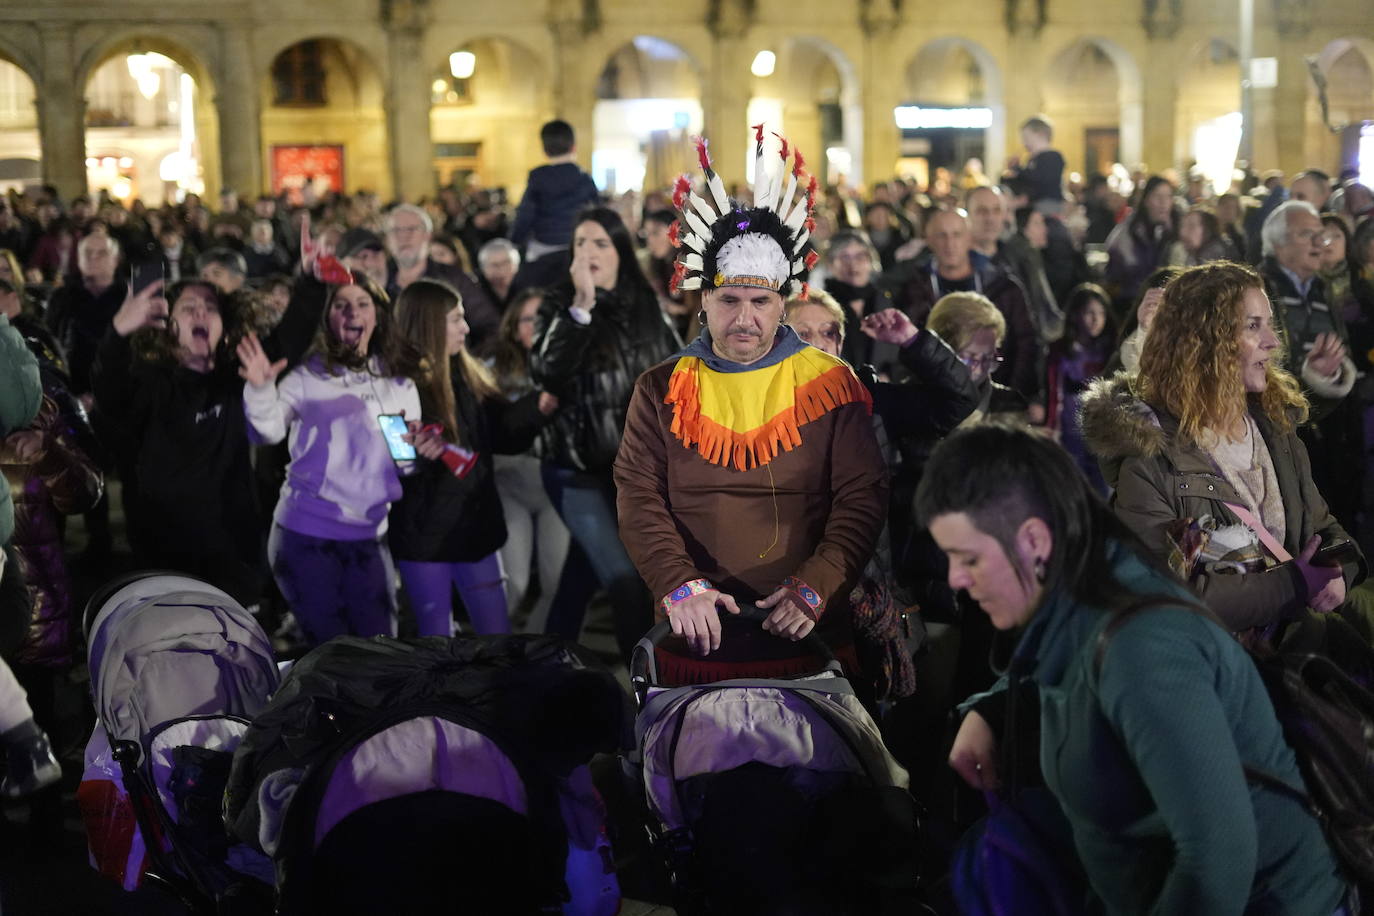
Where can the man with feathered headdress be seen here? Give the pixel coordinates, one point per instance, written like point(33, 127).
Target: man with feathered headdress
point(749, 470)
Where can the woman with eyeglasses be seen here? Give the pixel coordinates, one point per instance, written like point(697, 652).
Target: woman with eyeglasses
point(974, 328)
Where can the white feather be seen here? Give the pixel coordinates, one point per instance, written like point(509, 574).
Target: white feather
point(754, 255)
point(785, 201)
point(696, 224)
point(718, 195)
point(703, 208)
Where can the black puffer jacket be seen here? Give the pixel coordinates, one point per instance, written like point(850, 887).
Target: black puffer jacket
point(592, 370)
point(441, 519)
point(196, 508)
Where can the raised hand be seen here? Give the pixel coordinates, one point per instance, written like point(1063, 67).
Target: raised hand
point(1149, 304)
point(145, 309)
point(1326, 355)
point(310, 249)
point(254, 366)
point(583, 285)
point(890, 326)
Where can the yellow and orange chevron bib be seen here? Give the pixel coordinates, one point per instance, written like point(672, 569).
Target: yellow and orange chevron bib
point(743, 418)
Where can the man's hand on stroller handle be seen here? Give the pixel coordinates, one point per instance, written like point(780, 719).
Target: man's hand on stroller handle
point(790, 618)
point(697, 619)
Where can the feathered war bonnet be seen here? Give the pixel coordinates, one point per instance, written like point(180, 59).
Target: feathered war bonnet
point(730, 245)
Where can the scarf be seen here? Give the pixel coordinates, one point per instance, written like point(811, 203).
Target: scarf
point(743, 415)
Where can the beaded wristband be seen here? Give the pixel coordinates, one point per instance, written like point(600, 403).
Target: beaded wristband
point(809, 596)
point(683, 592)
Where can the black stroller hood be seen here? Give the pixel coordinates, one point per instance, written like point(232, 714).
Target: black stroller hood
point(545, 706)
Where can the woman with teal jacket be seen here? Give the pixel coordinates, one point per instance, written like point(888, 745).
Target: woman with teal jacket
point(1145, 754)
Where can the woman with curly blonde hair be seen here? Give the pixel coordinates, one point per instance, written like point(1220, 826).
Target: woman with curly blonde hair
point(1201, 452)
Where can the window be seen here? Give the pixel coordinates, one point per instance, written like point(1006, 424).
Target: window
point(298, 76)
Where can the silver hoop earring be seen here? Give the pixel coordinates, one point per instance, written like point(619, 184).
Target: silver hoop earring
point(1039, 570)
point(701, 316)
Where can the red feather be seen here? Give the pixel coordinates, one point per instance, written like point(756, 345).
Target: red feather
point(811, 189)
point(811, 259)
point(758, 132)
point(702, 155)
point(810, 224)
point(675, 233)
point(798, 164)
point(783, 141)
point(681, 189)
point(806, 291)
point(679, 274)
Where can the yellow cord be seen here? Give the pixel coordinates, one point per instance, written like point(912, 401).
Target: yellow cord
point(777, 528)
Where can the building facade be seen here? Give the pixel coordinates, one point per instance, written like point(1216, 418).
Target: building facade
point(398, 96)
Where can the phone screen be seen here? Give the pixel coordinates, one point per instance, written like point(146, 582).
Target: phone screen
point(144, 274)
point(393, 428)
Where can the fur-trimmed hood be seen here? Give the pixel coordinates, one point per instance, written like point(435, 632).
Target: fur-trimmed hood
point(1116, 424)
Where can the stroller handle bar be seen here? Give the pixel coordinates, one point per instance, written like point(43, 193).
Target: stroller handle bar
point(644, 670)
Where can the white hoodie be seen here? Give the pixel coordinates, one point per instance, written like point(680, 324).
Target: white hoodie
point(342, 478)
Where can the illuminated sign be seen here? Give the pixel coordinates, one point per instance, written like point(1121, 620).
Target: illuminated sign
point(914, 117)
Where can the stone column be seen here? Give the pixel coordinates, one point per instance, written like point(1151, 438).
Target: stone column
point(574, 96)
point(408, 103)
point(61, 112)
point(240, 115)
point(882, 90)
point(725, 105)
point(1022, 76)
point(1160, 73)
point(1289, 110)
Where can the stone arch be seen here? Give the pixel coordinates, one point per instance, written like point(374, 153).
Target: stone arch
point(927, 80)
point(648, 95)
point(1069, 102)
point(113, 135)
point(817, 97)
point(325, 122)
point(22, 58)
point(487, 126)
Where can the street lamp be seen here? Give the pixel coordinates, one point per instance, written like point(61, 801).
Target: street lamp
point(462, 64)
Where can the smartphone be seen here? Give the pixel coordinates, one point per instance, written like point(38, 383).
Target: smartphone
point(144, 274)
point(393, 428)
point(1337, 553)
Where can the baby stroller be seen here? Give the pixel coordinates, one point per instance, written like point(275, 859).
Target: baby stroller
point(178, 668)
point(433, 775)
point(772, 795)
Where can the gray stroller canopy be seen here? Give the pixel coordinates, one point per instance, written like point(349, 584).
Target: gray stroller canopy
point(166, 647)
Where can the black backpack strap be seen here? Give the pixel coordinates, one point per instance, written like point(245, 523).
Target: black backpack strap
point(1258, 777)
point(1128, 613)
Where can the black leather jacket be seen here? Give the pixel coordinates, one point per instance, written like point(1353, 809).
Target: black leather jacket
point(592, 370)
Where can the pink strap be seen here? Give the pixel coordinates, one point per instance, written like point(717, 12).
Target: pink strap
point(1268, 540)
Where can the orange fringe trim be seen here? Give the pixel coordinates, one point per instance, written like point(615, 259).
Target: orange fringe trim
point(754, 448)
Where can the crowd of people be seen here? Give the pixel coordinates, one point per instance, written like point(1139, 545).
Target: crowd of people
point(574, 377)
